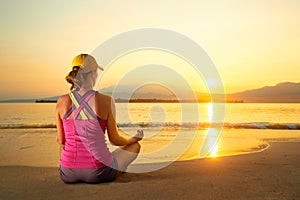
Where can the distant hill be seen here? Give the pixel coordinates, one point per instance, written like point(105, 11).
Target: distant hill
point(286, 92)
point(150, 91)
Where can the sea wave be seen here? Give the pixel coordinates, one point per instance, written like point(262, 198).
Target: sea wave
point(250, 125)
point(176, 125)
point(26, 126)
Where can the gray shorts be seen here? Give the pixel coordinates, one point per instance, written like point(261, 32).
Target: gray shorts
point(89, 175)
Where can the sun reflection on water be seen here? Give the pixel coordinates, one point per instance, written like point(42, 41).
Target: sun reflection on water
point(211, 147)
point(214, 151)
point(210, 111)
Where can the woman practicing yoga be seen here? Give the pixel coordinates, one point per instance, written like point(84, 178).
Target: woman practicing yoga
point(83, 116)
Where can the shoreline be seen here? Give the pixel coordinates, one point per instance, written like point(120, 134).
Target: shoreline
point(270, 174)
point(38, 147)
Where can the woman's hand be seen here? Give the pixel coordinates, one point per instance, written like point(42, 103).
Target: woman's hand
point(139, 135)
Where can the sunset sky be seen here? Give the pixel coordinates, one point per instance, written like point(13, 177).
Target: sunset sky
point(252, 43)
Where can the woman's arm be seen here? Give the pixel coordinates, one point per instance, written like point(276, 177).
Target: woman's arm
point(60, 131)
point(112, 129)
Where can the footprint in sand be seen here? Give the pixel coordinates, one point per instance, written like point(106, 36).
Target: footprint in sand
point(25, 147)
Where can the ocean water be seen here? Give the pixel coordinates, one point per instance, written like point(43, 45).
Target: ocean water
point(169, 134)
point(168, 115)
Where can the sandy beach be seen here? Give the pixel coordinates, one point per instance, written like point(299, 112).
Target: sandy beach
point(209, 90)
point(271, 174)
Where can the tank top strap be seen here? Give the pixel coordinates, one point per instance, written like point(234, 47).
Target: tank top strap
point(73, 107)
point(84, 105)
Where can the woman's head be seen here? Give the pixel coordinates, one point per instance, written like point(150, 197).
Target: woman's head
point(84, 72)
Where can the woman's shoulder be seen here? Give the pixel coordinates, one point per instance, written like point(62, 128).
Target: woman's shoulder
point(103, 97)
point(65, 98)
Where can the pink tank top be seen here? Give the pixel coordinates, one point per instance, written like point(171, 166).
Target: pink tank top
point(85, 144)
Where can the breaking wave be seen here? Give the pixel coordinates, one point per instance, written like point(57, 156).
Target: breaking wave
point(187, 125)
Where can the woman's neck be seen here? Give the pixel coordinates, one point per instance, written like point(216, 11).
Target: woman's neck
point(83, 90)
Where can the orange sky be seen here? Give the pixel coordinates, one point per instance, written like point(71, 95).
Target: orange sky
point(252, 43)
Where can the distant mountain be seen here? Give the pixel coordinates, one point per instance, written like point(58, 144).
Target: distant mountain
point(150, 91)
point(286, 92)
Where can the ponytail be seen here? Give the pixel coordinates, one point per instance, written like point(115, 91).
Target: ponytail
point(71, 78)
point(77, 78)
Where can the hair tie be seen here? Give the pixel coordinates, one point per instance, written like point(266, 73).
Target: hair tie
point(75, 68)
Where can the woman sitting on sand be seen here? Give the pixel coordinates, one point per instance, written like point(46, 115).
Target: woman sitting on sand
point(82, 117)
